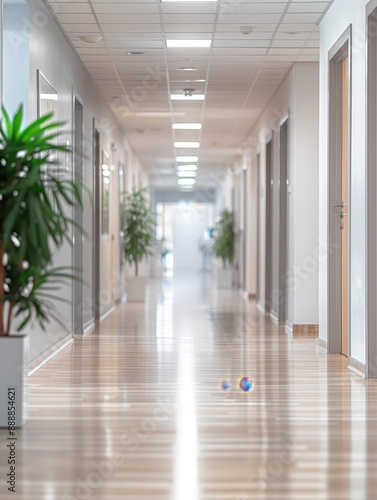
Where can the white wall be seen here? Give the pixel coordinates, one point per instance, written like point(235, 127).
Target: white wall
point(303, 220)
point(298, 96)
point(341, 14)
point(51, 53)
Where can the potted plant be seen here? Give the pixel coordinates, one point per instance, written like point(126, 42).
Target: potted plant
point(33, 223)
point(223, 247)
point(138, 226)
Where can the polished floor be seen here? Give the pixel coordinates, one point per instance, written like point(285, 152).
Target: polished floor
point(136, 410)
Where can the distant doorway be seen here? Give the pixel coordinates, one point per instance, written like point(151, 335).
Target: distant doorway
point(371, 275)
point(283, 218)
point(96, 220)
point(78, 136)
point(269, 237)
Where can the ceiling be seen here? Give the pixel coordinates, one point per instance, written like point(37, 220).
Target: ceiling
point(238, 74)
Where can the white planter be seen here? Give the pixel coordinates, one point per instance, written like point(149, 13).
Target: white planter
point(13, 378)
point(136, 289)
point(225, 277)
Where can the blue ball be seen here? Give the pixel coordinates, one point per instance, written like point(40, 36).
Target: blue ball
point(246, 384)
point(226, 385)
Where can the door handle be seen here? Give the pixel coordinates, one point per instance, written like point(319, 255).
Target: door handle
point(341, 205)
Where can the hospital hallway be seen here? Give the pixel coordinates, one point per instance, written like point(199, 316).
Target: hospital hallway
point(138, 409)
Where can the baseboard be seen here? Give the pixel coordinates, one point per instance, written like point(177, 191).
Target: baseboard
point(89, 326)
point(321, 345)
point(356, 367)
point(107, 312)
point(246, 295)
point(310, 331)
point(261, 307)
point(49, 353)
point(274, 316)
point(289, 327)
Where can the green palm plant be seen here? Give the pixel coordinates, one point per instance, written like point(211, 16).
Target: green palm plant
point(138, 225)
point(33, 219)
point(223, 246)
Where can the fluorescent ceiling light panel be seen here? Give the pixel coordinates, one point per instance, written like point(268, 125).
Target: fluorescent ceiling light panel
point(187, 126)
point(186, 182)
point(191, 144)
point(186, 159)
point(185, 173)
point(188, 44)
point(182, 97)
point(188, 1)
point(187, 168)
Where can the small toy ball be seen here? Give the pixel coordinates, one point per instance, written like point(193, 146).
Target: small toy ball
point(226, 385)
point(246, 384)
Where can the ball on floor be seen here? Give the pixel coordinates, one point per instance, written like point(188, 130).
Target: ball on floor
point(246, 384)
point(226, 385)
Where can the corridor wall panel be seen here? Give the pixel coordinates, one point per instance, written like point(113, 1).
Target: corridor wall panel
point(298, 100)
point(342, 15)
point(51, 53)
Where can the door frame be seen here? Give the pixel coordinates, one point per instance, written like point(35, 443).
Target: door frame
point(283, 223)
point(340, 50)
point(259, 198)
point(96, 203)
point(269, 237)
point(371, 203)
point(78, 216)
point(245, 221)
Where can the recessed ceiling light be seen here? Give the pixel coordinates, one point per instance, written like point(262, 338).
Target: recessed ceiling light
point(189, 144)
point(246, 30)
point(186, 168)
point(187, 173)
point(182, 97)
point(189, 44)
point(187, 126)
point(91, 38)
point(136, 53)
point(186, 159)
point(186, 182)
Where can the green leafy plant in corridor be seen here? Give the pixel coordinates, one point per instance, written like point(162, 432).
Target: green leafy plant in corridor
point(223, 246)
point(138, 225)
point(34, 219)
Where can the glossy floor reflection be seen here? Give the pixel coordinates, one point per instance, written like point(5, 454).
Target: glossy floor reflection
point(136, 410)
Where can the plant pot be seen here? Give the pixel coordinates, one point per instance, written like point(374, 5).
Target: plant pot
point(136, 289)
point(13, 379)
point(225, 277)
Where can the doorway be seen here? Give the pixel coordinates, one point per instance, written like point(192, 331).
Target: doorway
point(283, 217)
point(78, 175)
point(339, 173)
point(259, 235)
point(371, 275)
point(96, 221)
point(244, 233)
point(269, 237)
